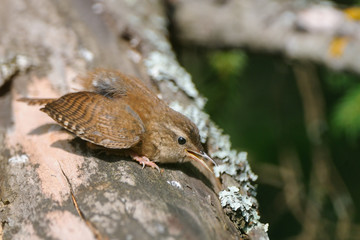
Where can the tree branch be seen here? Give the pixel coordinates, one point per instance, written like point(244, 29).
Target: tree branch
point(299, 30)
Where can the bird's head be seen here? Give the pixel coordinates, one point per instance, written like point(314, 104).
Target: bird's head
point(179, 141)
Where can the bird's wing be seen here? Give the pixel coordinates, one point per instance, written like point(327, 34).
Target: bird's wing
point(97, 119)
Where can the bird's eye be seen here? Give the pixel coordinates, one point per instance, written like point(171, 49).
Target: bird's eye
point(181, 140)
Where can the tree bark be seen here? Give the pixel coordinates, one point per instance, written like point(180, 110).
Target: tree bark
point(51, 185)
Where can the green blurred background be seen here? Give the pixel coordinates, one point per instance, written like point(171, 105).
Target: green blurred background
point(300, 124)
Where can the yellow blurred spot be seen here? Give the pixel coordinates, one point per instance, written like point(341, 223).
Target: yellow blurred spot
point(337, 46)
point(353, 13)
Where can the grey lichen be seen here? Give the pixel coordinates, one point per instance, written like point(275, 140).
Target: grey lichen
point(161, 42)
point(18, 159)
point(86, 54)
point(242, 203)
point(175, 184)
point(235, 164)
point(11, 65)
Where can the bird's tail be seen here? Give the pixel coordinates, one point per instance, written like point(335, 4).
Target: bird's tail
point(36, 101)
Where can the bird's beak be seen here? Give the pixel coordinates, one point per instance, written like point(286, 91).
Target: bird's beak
point(199, 156)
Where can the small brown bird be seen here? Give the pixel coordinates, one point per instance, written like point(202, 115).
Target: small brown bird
point(122, 113)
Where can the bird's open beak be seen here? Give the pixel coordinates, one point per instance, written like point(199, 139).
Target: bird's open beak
point(199, 156)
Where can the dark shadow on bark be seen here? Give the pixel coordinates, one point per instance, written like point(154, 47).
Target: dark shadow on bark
point(43, 129)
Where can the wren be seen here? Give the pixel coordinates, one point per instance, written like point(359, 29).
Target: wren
point(122, 113)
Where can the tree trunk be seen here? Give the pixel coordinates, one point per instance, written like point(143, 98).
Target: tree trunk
point(52, 186)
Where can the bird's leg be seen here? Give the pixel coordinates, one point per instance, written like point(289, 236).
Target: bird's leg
point(99, 150)
point(144, 161)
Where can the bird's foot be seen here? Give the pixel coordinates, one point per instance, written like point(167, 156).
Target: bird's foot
point(145, 161)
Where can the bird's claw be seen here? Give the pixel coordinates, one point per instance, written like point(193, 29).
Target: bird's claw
point(145, 162)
